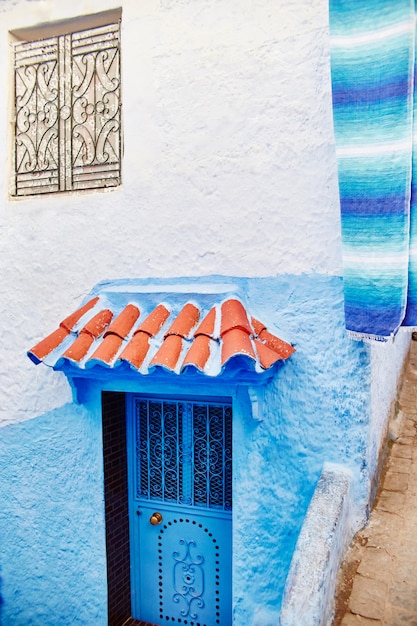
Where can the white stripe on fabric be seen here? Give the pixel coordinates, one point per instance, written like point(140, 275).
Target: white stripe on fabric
point(374, 149)
point(345, 41)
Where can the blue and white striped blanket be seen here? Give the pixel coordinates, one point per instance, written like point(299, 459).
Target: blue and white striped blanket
point(372, 65)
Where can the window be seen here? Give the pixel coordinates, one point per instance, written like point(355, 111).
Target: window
point(195, 468)
point(67, 111)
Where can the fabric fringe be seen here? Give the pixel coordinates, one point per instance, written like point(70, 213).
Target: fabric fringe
point(366, 337)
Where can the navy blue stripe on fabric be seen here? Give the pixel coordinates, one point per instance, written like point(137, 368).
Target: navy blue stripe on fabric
point(411, 311)
point(367, 205)
point(411, 314)
point(358, 96)
point(380, 321)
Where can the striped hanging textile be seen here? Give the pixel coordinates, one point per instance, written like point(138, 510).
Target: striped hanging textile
point(372, 66)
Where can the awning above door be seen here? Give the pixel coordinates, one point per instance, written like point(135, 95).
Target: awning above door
point(175, 334)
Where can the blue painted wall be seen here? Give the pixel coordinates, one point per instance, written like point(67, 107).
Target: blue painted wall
point(317, 409)
point(53, 565)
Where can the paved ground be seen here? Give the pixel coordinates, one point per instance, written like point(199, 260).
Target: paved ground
point(378, 581)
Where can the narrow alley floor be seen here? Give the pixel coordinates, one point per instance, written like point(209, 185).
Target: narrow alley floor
point(377, 583)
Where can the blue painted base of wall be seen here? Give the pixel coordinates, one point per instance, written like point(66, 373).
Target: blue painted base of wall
point(316, 410)
point(52, 563)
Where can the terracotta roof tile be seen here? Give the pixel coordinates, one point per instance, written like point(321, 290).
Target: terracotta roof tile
point(169, 353)
point(70, 321)
point(282, 348)
point(155, 320)
point(207, 325)
point(236, 341)
point(92, 330)
point(80, 347)
point(267, 357)
point(258, 327)
point(136, 350)
point(186, 319)
point(124, 322)
point(48, 345)
point(98, 323)
point(199, 353)
point(52, 341)
point(106, 350)
point(234, 316)
point(224, 332)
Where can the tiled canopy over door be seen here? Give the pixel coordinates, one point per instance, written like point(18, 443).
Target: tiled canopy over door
point(146, 335)
point(178, 354)
point(67, 112)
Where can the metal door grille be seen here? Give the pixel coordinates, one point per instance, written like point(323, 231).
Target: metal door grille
point(67, 112)
point(184, 452)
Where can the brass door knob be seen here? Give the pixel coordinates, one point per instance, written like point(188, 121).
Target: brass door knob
point(155, 519)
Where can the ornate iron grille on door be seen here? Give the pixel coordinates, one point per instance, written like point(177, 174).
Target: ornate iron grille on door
point(67, 125)
point(184, 453)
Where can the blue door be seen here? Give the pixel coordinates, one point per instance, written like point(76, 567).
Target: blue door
point(180, 483)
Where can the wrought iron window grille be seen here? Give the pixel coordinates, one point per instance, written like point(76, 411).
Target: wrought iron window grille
point(68, 112)
point(184, 453)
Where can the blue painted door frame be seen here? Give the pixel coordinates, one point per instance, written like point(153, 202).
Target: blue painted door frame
point(180, 508)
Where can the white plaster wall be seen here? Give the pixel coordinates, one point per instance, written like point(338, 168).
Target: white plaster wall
point(387, 362)
point(229, 167)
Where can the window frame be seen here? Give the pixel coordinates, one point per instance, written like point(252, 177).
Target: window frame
point(68, 135)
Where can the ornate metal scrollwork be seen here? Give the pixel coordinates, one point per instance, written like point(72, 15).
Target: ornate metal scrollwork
point(184, 453)
point(188, 580)
point(68, 112)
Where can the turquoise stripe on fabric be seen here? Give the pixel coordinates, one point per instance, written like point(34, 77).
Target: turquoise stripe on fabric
point(363, 16)
point(372, 66)
point(375, 176)
point(388, 231)
point(369, 63)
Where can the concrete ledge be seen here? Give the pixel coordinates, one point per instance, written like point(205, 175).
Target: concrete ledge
point(324, 537)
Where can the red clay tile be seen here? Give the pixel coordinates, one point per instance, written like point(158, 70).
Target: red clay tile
point(98, 323)
point(124, 322)
point(52, 341)
point(267, 357)
point(114, 335)
point(199, 352)
point(80, 347)
point(47, 345)
point(169, 352)
point(93, 329)
point(238, 336)
point(281, 347)
point(107, 349)
point(154, 322)
point(186, 319)
point(234, 316)
point(136, 350)
point(70, 321)
point(258, 327)
point(207, 325)
point(236, 341)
